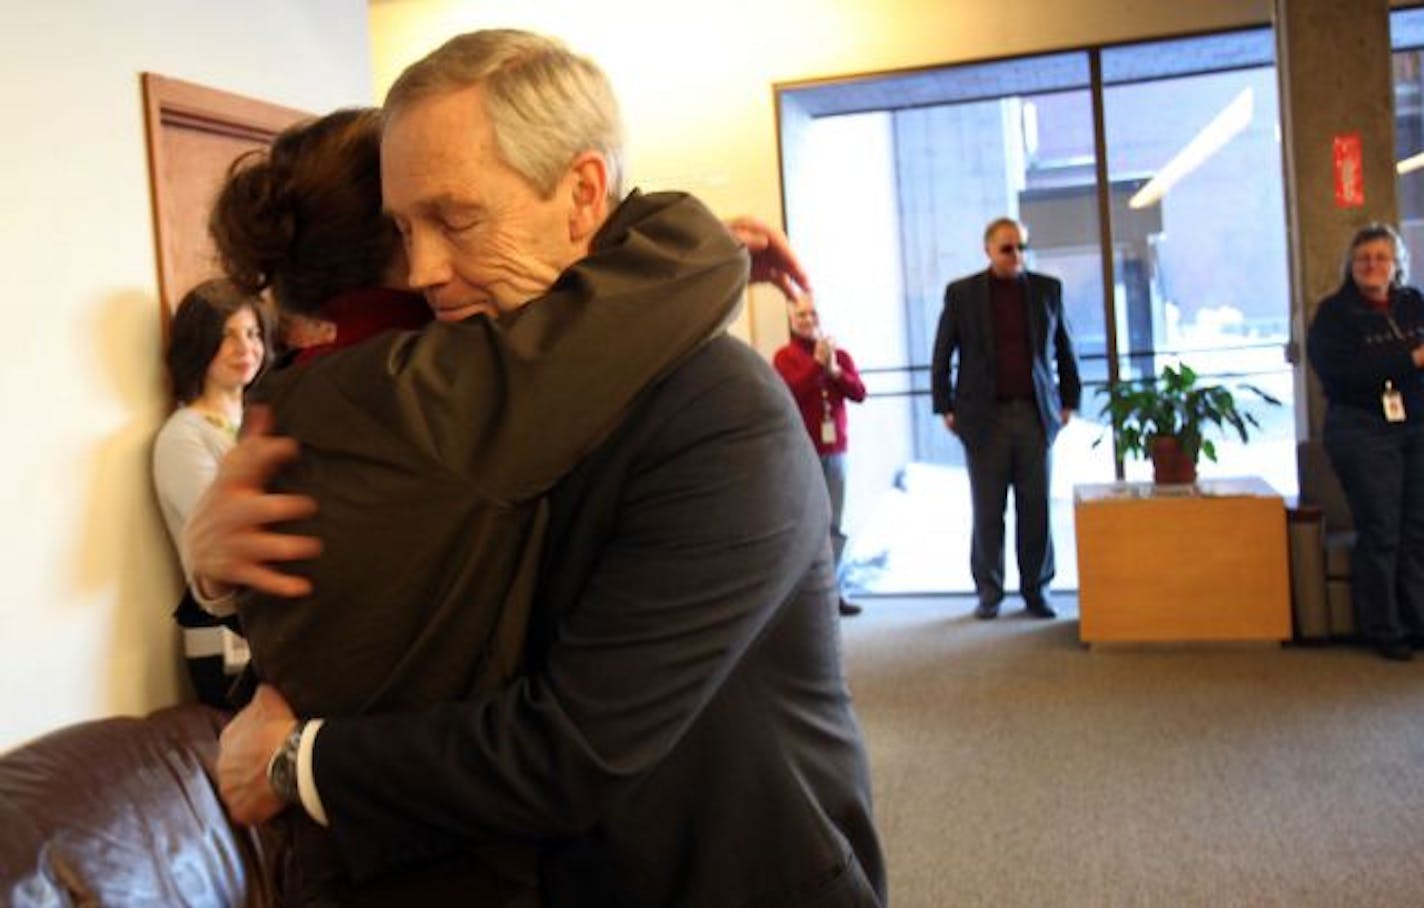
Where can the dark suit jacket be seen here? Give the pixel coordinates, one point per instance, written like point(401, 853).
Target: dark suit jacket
point(966, 328)
point(684, 735)
point(430, 453)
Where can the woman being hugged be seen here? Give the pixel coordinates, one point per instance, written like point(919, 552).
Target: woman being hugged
point(432, 451)
point(1366, 343)
point(218, 344)
point(303, 221)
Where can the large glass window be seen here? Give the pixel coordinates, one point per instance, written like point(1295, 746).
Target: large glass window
point(1407, 38)
point(889, 183)
point(1198, 229)
point(888, 206)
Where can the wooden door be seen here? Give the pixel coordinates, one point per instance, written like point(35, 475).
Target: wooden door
point(194, 134)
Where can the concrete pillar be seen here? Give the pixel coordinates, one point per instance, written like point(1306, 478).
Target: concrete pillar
point(1333, 61)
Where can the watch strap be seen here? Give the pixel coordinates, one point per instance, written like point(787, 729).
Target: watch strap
point(282, 768)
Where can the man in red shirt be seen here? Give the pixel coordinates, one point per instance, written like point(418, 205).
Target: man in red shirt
point(822, 378)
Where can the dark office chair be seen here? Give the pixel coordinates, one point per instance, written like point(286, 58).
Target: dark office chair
point(1322, 501)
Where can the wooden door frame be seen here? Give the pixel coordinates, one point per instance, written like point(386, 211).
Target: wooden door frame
point(174, 102)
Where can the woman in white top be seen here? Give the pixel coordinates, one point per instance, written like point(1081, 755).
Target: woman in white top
point(218, 344)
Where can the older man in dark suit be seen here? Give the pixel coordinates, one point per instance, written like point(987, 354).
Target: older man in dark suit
point(1004, 401)
point(681, 732)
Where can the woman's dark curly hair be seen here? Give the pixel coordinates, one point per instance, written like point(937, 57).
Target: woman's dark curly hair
point(304, 216)
point(196, 333)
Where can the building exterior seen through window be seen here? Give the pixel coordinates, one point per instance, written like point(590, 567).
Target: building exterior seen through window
point(1407, 39)
point(889, 181)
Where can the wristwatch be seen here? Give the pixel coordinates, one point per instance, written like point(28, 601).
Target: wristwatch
point(282, 768)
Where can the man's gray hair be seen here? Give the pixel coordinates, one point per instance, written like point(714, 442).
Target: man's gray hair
point(996, 223)
point(546, 104)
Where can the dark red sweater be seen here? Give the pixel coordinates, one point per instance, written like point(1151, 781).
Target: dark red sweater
point(1013, 360)
point(363, 313)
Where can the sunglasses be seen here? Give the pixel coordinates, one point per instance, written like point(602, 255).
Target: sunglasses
point(1010, 248)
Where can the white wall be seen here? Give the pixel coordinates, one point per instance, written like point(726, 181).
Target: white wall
point(86, 575)
point(696, 79)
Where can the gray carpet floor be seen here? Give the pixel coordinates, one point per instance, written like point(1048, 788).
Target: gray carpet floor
point(1012, 766)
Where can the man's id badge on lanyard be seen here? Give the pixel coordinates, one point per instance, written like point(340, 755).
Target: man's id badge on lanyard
point(828, 431)
point(1392, 402)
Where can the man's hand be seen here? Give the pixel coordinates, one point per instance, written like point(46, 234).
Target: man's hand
point(949, 423)
point(226, 538)
point(246, 747)
point(772, 259)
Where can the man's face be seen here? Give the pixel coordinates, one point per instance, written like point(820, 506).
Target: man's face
point(1005, 249)
point(805, 322)
point(478, 237)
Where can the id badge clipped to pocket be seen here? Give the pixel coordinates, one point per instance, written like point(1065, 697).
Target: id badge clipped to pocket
point(1392, 402)
point(828, 431)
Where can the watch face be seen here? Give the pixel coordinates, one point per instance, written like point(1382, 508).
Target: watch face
point(284, 778)
point(282, 771)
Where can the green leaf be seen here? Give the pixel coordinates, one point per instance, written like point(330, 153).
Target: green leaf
point(1173, 403)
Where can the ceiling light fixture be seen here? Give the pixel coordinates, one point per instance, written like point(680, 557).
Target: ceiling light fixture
point(1224, 127)
point(1411, 163)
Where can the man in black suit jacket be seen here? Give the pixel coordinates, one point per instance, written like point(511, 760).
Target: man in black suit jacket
point(1006, 327)
point(682, 733)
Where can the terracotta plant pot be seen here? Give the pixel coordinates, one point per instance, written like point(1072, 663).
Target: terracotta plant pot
point(1170, 464)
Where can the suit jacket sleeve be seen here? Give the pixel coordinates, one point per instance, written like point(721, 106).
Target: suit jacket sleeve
point(945, 345)
point(709, 521)
point(1070, 388)
point(510, 404)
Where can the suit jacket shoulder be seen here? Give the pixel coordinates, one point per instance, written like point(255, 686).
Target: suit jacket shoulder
point(964, 285)
point(1046, 282)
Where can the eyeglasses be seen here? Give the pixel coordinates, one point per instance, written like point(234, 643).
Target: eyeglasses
point(1011, 248)
point(1384, 257)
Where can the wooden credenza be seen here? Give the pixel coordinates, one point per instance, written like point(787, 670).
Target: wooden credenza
point(1205, 562)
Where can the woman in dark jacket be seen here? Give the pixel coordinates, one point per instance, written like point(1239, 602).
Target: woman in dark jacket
point(432, 450)
point(1366, 343)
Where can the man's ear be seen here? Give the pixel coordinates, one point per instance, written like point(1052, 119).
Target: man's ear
point(587, 185)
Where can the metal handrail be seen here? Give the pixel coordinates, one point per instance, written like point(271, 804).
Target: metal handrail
point(1095, 357)
point(1091, 384)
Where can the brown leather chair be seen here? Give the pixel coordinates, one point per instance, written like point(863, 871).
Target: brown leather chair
point(124, 811)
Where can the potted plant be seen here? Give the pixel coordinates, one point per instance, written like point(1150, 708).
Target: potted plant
point(1165, 419)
